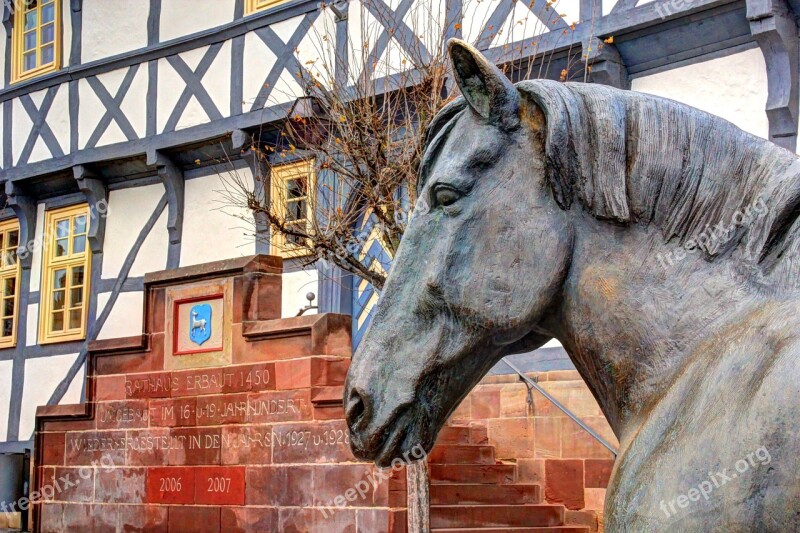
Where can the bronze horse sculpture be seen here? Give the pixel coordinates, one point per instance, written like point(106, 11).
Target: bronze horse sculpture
point(658, 243)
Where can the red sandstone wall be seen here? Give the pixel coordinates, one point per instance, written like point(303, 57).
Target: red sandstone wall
point(547, 446)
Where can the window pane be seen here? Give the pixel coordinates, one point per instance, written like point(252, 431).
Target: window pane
point(29, 41)
point(8, 307)
point(58, 300)
point(76, 297)
point(59, 279)
point(30, 20)
point(79, 245)
point(79, 225)
point(48, 33)
point(296, 210)
point(29, 61)
point(296, 188)
point(48, 55)
point(77, 276)
point(48, 12)
point(8, 327)
point(13, 239)
point(11, 257)
point(75, 319)
point(57, 321)
point(10, 286)
point(61, 247)
point(62, 229)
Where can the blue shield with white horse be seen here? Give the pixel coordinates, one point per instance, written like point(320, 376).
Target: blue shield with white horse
point(200, 323)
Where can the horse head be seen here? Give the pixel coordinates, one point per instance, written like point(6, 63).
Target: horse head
point(485, 204)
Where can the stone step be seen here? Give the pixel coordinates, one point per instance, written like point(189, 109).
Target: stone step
point(462, 454)
point(533, 529)
point(496, 516)
point(483, 474)
point(455, 494)
point(463, 435)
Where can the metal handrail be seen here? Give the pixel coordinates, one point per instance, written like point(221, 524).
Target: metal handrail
point(533, 384)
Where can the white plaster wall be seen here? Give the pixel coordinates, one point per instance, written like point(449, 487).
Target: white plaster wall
point(57, 119)
point(258, 65)
point(128, 212)
point(5, 396)
point(732, 87)
point(42, 375)
point(216, 82)
point(3, 42)
point(32, 326)
point(211, 232)
point(126, 316)
point(66, 9)
point(36, 258)
point(111, 27)
point(295, 287)
point(133, 106)
point(152, 255)
point(184, 17)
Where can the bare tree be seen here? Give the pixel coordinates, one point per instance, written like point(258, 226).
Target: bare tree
point(361, 116)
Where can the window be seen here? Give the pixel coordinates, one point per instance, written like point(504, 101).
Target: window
point(292, 185)
point(9, 282)
point(258, 5)
point(37, 38)
point(65, 275)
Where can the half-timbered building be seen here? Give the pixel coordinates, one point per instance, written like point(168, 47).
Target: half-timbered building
point(120, 118)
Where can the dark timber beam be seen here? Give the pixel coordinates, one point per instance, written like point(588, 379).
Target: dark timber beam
point(172, 178)
point(94, 189)
point(773, 26)
point(605, 64)
point(24, 208)
point(259, 167)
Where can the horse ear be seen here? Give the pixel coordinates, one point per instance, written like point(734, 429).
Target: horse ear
point(487, 90)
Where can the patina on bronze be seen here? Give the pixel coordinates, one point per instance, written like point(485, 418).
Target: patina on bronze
point(584, 213)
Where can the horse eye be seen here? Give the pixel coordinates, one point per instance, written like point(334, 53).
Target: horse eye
point(446, 196)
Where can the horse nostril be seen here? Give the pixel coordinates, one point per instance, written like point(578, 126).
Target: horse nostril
point(358, 408)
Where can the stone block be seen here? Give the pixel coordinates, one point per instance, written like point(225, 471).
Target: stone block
point(577, 443)
point(279, 485)
point(128, 414)
point(485, 402)
point(318, 442)
point(94, 518)
point(143, 519)
point(514, 400)
point(530, 471)
point(120, 485)
point(293, 374)
point(246, 445)
point(548, 437)
point(249, 519)
point(311, 520)
point(184, 518)
point(149, 447)
point(343, 486)
point(564, 482)
point(279, 406)
point(219, 485)
point(196, 446)
point(513, 438)
point(74, 484)
point(173, 412)
point(598, 473)
point(110, 388)
point(373, 520)
point(329, 371)
point(171, 485)
point(53, 448)
point(595, 499)
point(150, 385)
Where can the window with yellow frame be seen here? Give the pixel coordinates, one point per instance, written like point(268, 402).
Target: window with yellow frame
point(291, 190)
point(258, 5)
point(37, 38)
point(65, 275)
point(9, 282)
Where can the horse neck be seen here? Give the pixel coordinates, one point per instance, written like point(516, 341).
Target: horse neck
point(631, 322)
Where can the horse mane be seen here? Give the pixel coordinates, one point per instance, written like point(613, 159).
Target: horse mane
point(633, 158)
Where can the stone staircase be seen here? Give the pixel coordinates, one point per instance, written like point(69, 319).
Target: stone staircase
point(471, 492)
